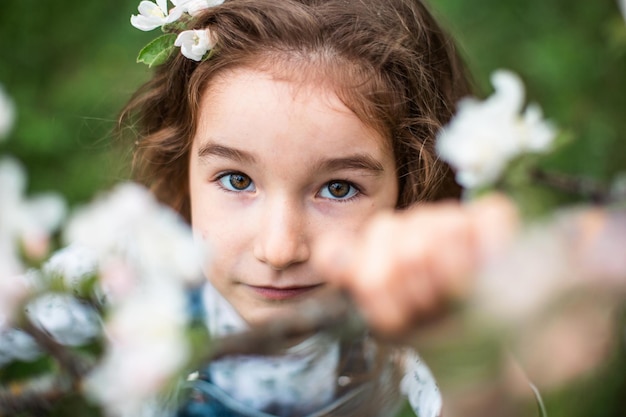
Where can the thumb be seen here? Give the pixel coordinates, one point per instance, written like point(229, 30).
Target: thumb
point(333, 257)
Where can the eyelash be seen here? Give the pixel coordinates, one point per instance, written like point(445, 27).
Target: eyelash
point(223, 175)
point(354, 189)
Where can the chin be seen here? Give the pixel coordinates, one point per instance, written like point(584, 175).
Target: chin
point(270, 311)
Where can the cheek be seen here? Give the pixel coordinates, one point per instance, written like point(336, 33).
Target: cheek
point(212, 229)
point(207, 227)
point(222, 233)
point(220, 250)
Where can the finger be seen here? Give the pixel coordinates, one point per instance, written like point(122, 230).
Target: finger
point(333, 257)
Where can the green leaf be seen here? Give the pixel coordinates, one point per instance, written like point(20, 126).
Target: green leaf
point(157, 51)
point(23, 371)
point(74, 404)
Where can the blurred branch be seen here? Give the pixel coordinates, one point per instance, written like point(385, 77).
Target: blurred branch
point(36, 397)
point(71, 363)
point(335, 315)
point(595, 191)
point(33, 400)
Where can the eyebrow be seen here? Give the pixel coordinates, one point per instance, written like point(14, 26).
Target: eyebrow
point(213, 149)
point(355, 162)
point(362, 162)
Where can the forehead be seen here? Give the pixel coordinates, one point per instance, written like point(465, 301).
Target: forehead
point(252, 108)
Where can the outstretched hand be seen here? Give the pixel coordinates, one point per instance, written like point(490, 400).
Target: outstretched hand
point(408, 267)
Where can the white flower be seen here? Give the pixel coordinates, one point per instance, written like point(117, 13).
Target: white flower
point(67, 320)
point(128, 227)
point(484, 136)
point(7, 114)
point(147, 348)
point(13, 289)
point(17, 345)
point(622, 7)
point(194, 44)
point(152, 16)
point(25, 221)
point(73, 263)
point(194, 7)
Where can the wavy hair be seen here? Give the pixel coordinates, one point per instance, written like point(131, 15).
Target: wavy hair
point(388, 61)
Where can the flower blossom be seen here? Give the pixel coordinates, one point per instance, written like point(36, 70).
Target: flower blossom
point(17, 345)
point(74, 264)
point(194, 44)
point(622, 7)
point(485, 136)
point(24, 221)
point(152, 16)
point(66, 319)
point(7, 114)
point(147, 347)
point(131, 234)
point(13, 290)
point(194, 7)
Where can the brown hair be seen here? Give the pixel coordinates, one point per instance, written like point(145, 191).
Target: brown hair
point(388, 61)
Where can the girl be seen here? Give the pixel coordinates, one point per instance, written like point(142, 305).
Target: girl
point(308, 118)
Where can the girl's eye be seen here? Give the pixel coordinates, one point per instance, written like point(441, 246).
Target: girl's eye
point(339, 190)
point(236, 182)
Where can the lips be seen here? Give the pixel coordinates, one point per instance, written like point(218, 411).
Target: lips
point(280, 294)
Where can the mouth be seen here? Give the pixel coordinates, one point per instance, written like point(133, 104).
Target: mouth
point(281, 294)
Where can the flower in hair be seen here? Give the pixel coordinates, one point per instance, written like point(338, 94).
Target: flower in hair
point(194, 44)
point(194, 7)
point(152, 16)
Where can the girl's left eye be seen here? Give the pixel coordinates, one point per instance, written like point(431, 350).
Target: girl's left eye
point(338, 190)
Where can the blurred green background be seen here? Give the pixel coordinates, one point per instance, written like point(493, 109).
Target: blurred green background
point(70, 67)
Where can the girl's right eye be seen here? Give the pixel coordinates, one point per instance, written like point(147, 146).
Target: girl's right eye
point(236, 181)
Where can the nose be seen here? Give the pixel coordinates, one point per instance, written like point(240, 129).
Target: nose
point(282, 239)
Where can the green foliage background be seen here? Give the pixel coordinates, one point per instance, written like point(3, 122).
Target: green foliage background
point(70, 66)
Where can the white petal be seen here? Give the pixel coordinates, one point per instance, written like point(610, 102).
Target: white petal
point(15, 344)
point(194, 7)
point(7, 114)
point(12, 179)
point(128, 223)
point(484, 136)
point(540, 133)
point(150, 16)
point(162, 5)
point(151, 10)
point(66, 319)
point(147, 348)
point(184, 37)
point(622, 6)
point(189, 42)
point(74, 263)
point(47, 210)
point(509, 90)
point(174, 15)
point(13, 290)
point(144, 23)
point(202, 44)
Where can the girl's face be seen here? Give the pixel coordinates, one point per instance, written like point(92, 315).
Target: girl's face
point(274, 166)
